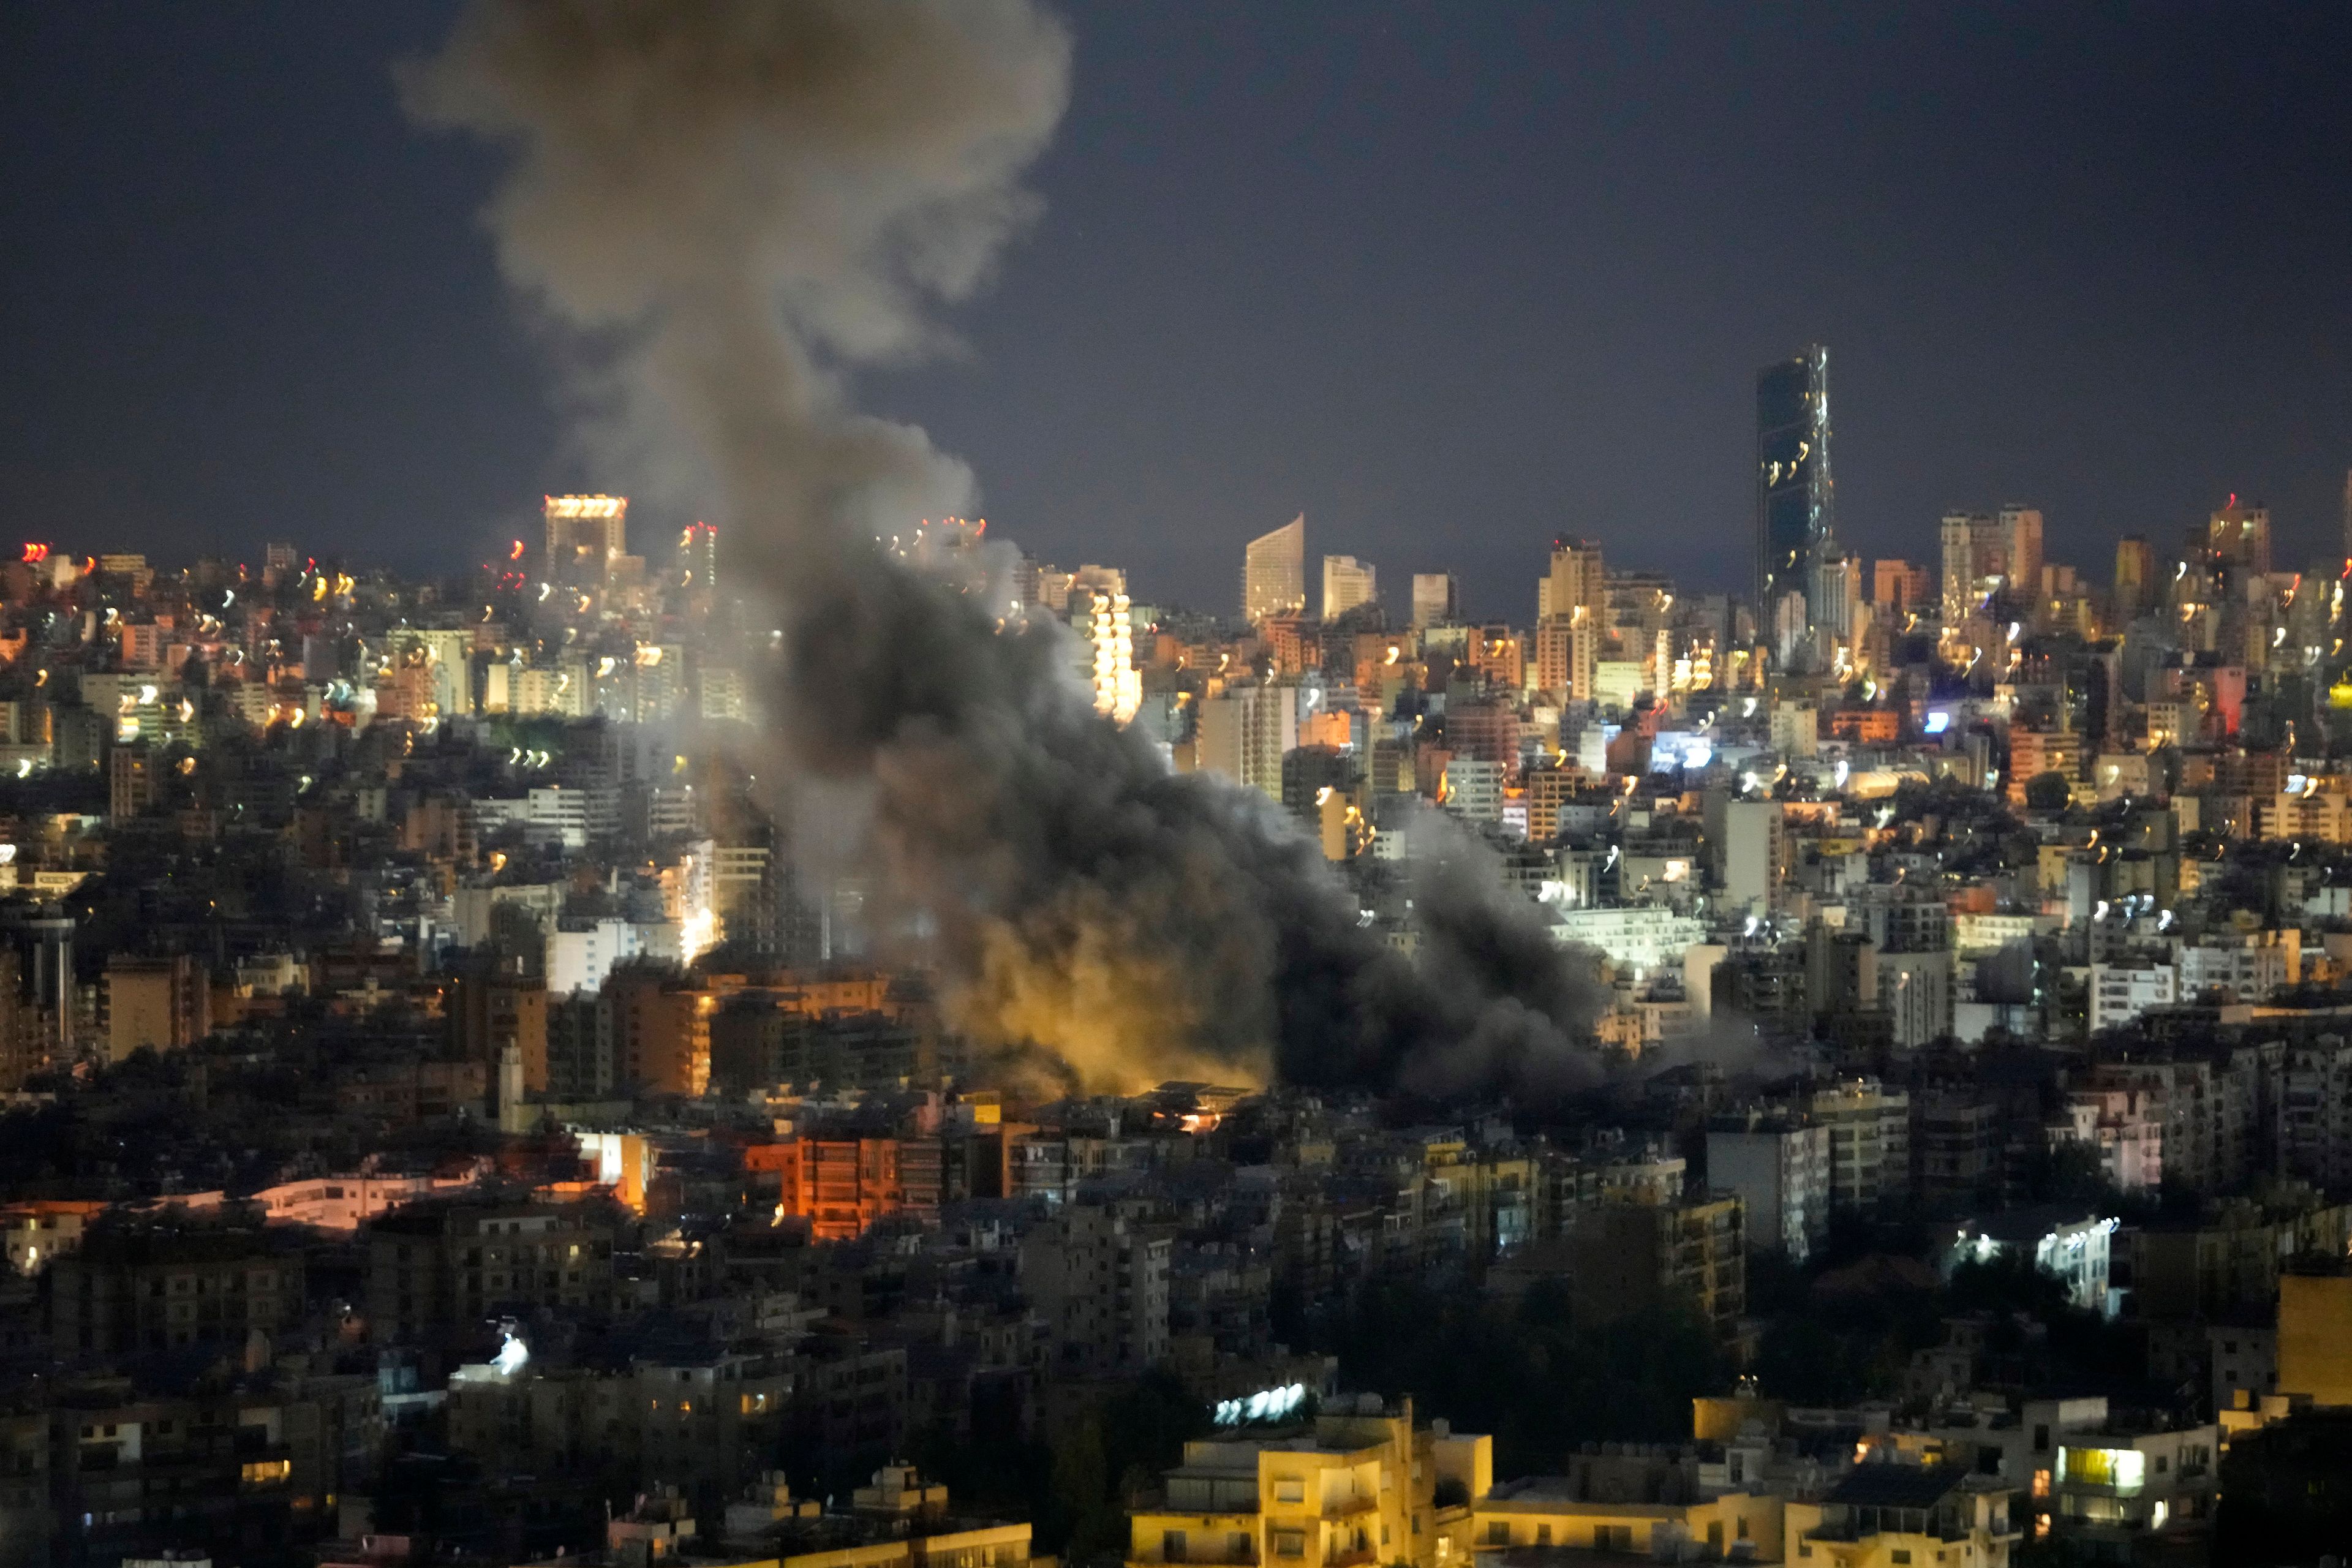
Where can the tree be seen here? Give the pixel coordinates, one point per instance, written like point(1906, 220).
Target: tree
point(2048, 792)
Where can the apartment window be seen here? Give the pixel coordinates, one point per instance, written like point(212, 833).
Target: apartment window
point(1171, 1545)
point(1899, 1555)
point(1543, 1535)
point(1290, 1544)
point(1289, 1488)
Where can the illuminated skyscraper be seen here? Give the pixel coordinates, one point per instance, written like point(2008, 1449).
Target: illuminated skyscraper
point(1100, 616)
point(1795, 504)
point(2134, 577)
point(585, 534)
point(1436, 598)
point(1347, 583)
point(2240, 537)
point(1835, 600)
point(1970, 542)
point(698, 556)
point(1575, 580)
point(1274, 573)
point(2020, 550)
point(1244, 732)
point(1571, 618)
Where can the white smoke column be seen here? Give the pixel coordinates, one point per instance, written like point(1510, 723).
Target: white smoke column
point(736, 205)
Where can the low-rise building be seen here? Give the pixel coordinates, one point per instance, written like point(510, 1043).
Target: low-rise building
point(1885, 1514)
point(1361, 1484)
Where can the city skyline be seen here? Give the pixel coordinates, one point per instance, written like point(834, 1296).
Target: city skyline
point(426, 419)
point(754, 911)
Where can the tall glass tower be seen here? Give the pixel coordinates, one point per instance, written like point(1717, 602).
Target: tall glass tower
point(1795, 506)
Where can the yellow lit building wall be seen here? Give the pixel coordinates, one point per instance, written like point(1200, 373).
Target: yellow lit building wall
point(2315, 1337)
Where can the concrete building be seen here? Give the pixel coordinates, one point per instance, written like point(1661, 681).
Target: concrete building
point(586, 535)
point(2122, 991)
point(2315, 1335)
point(1886, 1514)
point(1753, 845)
point(1101, 1281)
point(2315, 1133)
point(1915, 992)
point(1957, 1143)
point(2125, 1124)
point(489, 1013)
point(1436, 599)
point(658, 1022)
point(446, 1270)
point(1781, 1172)
point(1360, 1486)
point(165, 1003)
point(2079, 1249)
point(1274, 573)
point(1869, 1130)
point(1637, 1259)
point(1244, 732)
point(137, 1287)
point(1628, 1505)
point(1638, 938)
point(1348, 584)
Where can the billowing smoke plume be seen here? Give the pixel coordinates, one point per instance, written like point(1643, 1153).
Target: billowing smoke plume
point(736, 205)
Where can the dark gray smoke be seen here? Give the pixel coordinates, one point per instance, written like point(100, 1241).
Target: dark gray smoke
point(736, 207)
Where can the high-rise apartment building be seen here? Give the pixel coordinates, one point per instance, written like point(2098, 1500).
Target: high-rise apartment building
point(2019, 528)
point(1897, 585)
point(1244, 733)
point(1100, 1281)
point(1836, 595)
point(1795, 504)
point(1575, 580)
point(1870, 1143)
point(2134, 577)
point(1571, 618)
point(1348, 582)
point(1780, 1170)
point(698, 556)
point(1103, 619)
point(1971, 553)
point(1274, 573)
point(585, 534)
point(1436, 599)
point(2239, 536)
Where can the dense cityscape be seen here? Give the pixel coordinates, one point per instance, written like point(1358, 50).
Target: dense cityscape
point(793, 1032)
point(1961, 1127)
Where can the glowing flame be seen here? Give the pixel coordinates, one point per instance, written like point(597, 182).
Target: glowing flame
point(698, 934)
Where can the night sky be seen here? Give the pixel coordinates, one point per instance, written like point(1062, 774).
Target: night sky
point(1449, 278)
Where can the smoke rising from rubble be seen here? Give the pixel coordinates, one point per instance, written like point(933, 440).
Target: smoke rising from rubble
point(734, 208)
